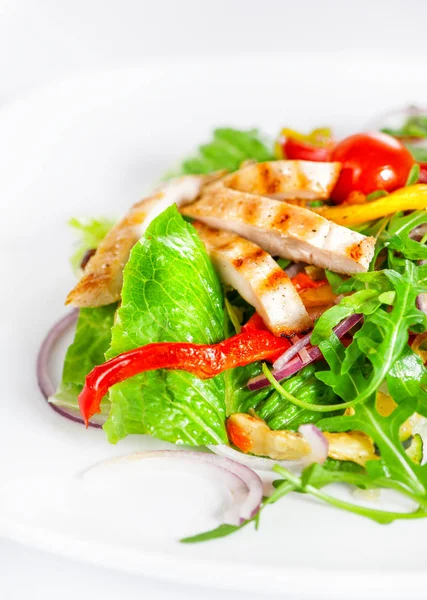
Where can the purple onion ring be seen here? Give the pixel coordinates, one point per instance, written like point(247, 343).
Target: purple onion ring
point(45, 383)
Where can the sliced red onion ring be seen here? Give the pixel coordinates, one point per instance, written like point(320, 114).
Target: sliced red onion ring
point(294, 269)
point(419, 232)
point(45, 383)
point(290, 352)
point(244, 484)
point(297, 363)
point(422, 302)
point(319, 453)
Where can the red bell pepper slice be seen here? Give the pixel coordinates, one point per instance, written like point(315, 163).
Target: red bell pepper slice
point(253, 343)
point(303, 282)
point(295, 149)
point(423, 173)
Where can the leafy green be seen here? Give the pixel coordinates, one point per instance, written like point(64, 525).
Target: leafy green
point(365, 301)
point(314, 478)
point(91, 232)
point(170, 293)
point(407, 378)
point(282, 489)
point(414, 126)
point(414, 175)
point(283, 262)
point(394, 464)
point(356, 373)
point(380, 341)
point(283, 414)
point(227, 150)
point(418, 152)
point(376, 195)
point(91, 341)
point(396, 235)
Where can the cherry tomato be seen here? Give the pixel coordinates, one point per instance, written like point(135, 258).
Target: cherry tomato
point(370, 162)
point(298, 150)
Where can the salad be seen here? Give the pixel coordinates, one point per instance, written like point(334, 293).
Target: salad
point(268, 302)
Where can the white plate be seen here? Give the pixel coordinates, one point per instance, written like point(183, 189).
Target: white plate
point(92, 146)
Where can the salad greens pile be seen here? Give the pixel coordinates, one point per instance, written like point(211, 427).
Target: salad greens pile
point(91, 341)
point(172, 293)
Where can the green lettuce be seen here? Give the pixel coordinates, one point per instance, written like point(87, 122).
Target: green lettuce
point(91, 233)
point(170, 293)
point(91, 341)
point(227, 150)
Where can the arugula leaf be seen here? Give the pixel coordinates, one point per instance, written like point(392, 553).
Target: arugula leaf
point(364, 301)
point(414, 175)
point(394, 464)
point(91, 233)
point(414, 126)
point(418, 152)
point(315, 478)
point(170, 293)
point(406, 379)
point(396, 235)
point(227, 150)
point(91, 341)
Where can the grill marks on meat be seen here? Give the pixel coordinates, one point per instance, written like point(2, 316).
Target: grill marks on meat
point(102, 280)
point(284, 229)
point(258, 279)
point(286, 179)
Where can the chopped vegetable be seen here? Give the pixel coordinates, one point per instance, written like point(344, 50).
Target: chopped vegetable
point(353, 380)
point(370, 161)
point(228, 149)
point(316, 146)
point(413, 197)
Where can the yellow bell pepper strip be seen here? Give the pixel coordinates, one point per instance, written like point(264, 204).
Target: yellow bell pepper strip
point(412, 197)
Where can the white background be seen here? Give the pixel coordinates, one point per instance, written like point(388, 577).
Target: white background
point(46, 40)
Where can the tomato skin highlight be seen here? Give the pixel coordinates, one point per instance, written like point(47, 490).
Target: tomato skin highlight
point(370, 162)
point(254, 343)
point(295, 149)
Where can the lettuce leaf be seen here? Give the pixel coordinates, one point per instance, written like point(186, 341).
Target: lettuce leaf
point(91, 341)
point(227, 150)
point(170, 293)
point(91, 233)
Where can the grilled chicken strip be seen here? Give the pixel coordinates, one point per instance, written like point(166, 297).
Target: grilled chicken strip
point(257, 278)
point(102, 280)
point(251, 434)
point(286, 179)
point(283, 229)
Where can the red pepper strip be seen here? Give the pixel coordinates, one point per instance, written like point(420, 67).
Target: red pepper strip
point(203, 360)
point(299, 150)
point(423, 173)
point(303, 282)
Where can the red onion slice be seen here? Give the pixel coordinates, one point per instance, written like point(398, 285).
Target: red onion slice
point(422, 302)
point(244, 484)
point(319, 453)
point(297, 363)
point(293, 269)
point(418, 232)
point(290, 352)
point(43, 358)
